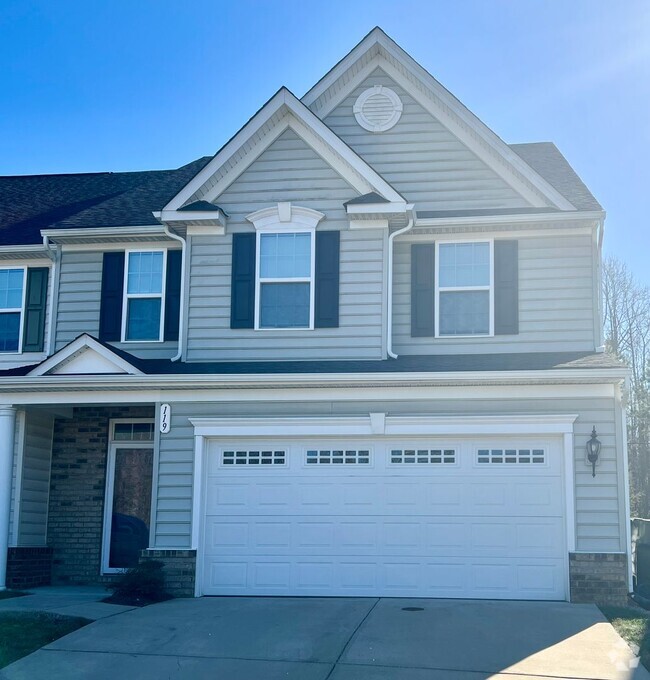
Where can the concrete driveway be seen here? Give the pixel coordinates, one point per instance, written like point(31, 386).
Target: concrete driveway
point(339, 639)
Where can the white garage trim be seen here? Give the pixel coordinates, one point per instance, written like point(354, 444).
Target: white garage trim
point(374, 425)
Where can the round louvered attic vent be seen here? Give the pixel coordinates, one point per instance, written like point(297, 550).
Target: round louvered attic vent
point(377, 109)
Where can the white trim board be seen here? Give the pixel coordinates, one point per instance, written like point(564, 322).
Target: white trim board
point(284, 111)
point(83, 355)
point(379, 50)
point(367, 426)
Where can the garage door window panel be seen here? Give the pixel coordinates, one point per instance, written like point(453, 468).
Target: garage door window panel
point(337, 457)
point(422, 456)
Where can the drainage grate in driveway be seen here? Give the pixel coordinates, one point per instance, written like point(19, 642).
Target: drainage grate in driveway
point(412, 609)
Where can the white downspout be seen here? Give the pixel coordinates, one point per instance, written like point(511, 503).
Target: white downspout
point(181, 313)
point(53, 254)
point(389, 322)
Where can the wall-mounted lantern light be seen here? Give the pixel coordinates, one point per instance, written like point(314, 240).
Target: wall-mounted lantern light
point(593, 451)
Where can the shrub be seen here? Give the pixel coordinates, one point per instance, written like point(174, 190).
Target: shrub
point(142, 584)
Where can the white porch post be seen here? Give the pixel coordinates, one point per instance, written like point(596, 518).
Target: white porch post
point(7, 429)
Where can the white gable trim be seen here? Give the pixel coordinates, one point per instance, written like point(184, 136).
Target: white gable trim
point(377, 50)
point(84, 356)
point(282, 111)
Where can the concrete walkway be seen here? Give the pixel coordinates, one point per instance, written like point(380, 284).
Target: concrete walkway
point(339, 639)
point(81, 601)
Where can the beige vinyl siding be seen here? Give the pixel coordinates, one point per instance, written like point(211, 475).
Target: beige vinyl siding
point(599, 502)
point(556, 302)
point(421, 158)
point(79, 304)
point(288, 170)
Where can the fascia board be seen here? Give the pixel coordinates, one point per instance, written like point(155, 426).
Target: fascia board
point(26, 250)
point(312, 123)
point(81, 343)
point(199, 381)
point(62, 235)
point(577, 216)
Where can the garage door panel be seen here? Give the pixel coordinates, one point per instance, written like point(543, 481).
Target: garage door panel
point(382, 528)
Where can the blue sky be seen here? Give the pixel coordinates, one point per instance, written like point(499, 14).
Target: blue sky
point(142, 84)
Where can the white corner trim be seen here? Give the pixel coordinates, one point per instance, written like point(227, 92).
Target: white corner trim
point(285, 216)
point(106, 361)
point(392, 425)
point(305, 123)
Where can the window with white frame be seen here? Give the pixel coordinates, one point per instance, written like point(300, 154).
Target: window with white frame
point(12, 287)
point(285, 279)
point(464, 283)
point(144, 296)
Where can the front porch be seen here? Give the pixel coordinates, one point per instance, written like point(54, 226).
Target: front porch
point(81, 488)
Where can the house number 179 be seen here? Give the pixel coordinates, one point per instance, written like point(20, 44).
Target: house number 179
point(165, 418)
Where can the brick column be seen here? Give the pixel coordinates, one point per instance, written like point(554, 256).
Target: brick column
point(7, 428)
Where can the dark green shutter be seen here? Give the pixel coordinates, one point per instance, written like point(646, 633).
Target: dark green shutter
point(506, 288)
point(423, 293)
point(35, 309)
point(173, 294)
point(326, 292)
point(242, 285)
point(110, 313)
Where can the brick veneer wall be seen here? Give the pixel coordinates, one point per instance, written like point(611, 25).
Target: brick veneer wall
point(598, 577)
point(29, 567)
point(77, 487)
point(179, 569)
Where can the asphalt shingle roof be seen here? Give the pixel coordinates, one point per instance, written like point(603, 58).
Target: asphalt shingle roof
point(29, 203)
point(546, 159)
point(524, 361)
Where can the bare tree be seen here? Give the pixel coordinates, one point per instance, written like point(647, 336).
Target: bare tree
point(627, 332)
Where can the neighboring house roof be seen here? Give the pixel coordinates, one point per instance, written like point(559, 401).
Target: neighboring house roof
point(29, 203)
point(546, 159)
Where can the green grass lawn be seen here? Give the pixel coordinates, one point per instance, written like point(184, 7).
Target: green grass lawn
point(633, 625)
point(22, 633)
point(6, 594)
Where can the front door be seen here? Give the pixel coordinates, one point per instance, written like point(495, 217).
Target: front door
point(127, 511)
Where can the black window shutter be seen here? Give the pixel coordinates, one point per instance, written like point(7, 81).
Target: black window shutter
point(326, 292)
point(110, 314)
point(242, 286)
point(35, 309)
point(506, 287)
point(423, 272)
point(173, 294)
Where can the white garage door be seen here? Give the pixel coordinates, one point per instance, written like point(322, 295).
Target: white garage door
point(481, 518)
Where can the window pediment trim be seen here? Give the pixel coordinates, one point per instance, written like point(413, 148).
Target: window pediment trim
point(283, 216)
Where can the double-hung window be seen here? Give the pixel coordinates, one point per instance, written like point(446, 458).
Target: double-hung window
point(12, 293)
point(285, 279)
point(143, 311)
point(464, 288)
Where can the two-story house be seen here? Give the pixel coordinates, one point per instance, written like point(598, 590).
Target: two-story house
point(358, 351)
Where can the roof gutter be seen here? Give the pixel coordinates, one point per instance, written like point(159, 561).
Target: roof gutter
point(181, 312)
point(476, 220)
point(48, 383)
